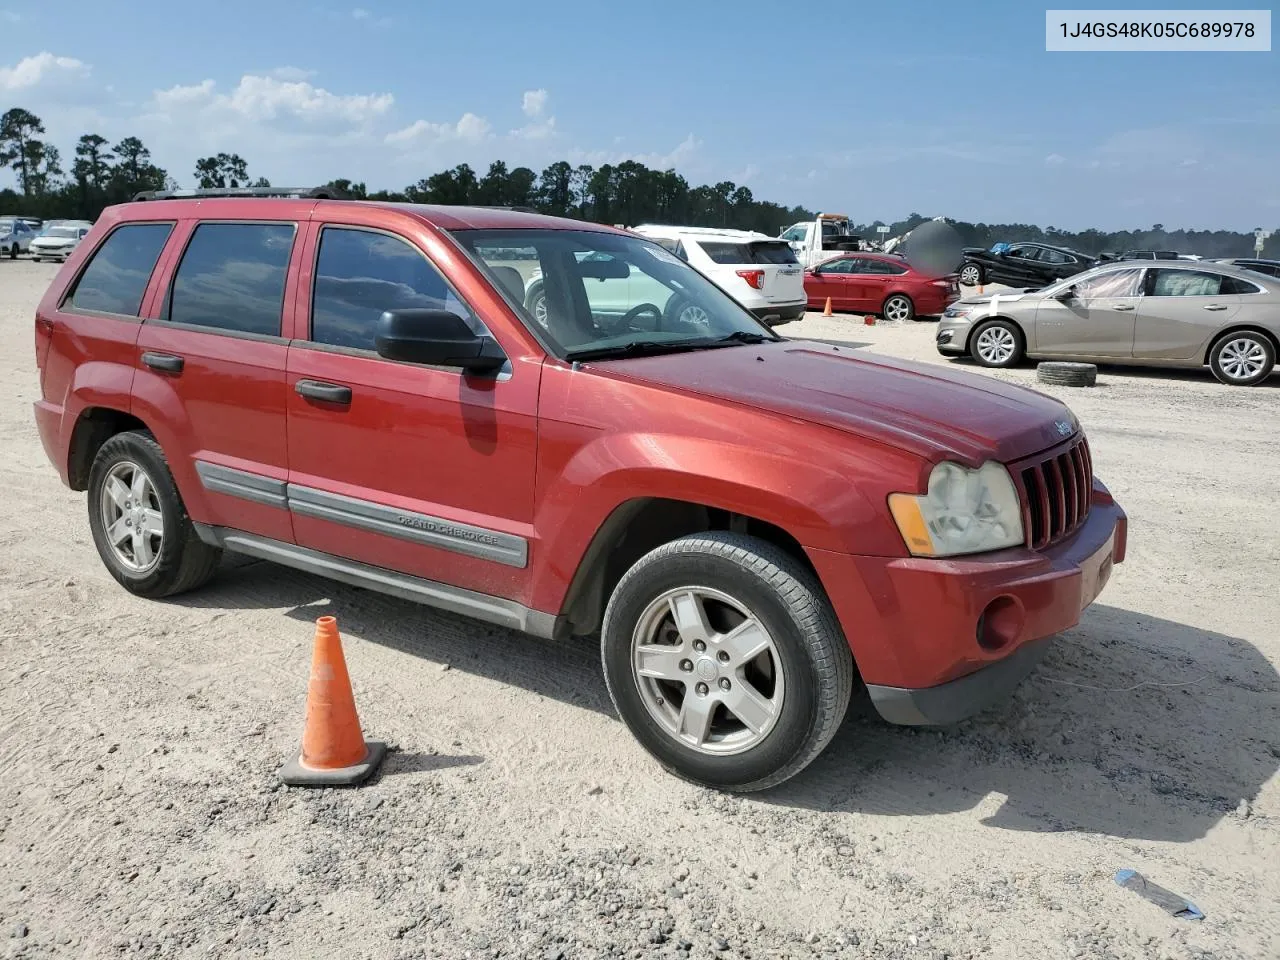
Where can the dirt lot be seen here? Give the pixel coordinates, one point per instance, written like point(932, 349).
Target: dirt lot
point(140, 813)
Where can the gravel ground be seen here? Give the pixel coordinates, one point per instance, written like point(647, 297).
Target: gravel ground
point(140, 813)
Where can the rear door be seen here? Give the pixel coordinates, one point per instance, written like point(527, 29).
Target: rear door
point(783, 276)
point(1098, 321)
point(211, 372)
point(1180, 310)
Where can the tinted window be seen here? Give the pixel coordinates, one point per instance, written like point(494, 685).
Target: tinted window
point(1024, 252)
point(1121, 283)
point(883, 267)
point(1232, 285)
point(232, 277)
point(772, 251)
point(725, 252)
point(117, 276)
point(359, 274)
point(837, 266)
point(1185, 283)
point(1054, 256)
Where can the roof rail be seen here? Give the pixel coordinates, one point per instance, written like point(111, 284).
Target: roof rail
point(306, 193)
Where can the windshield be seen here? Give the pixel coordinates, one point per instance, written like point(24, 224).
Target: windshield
point(589, 292)
point(66, 232)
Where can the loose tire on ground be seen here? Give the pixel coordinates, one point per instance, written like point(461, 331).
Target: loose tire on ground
point(1242, 359)
point(1067, 374)
point(181, 561)
point(805, 666)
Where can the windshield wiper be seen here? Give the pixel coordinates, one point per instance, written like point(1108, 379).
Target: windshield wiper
point(747, 336)
point(635, 348)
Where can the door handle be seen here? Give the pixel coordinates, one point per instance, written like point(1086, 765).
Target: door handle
point(328, 392)
point(1215, 306)
point(1123, 306)
point(163, 361)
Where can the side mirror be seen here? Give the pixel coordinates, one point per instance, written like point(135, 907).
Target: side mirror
point(438, 338)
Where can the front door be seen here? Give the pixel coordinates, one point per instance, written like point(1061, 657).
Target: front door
point(1180, 311)
point(423, 470)
point(211, 372)
point(1097, 321)
point(832, 279)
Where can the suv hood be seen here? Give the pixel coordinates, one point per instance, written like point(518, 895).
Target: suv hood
point(924, 409)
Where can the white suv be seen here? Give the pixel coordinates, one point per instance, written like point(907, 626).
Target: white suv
point(759, 271)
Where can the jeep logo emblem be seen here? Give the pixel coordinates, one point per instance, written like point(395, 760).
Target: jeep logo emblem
point(1064, 427)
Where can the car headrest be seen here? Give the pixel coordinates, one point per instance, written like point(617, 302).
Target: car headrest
point(510, 278)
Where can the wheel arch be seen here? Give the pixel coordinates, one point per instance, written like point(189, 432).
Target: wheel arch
point(94, 427)
point(639, 525)
point(1221, 335)
point(979, 324)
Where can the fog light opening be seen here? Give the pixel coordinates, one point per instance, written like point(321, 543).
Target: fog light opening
point(1000, 624)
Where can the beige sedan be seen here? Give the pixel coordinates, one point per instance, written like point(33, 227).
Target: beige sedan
point(1147, 313)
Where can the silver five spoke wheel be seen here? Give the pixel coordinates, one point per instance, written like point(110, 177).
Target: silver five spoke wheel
point(707, 670)
point(995, 345)
point(897, 309)
point(1242, 358)
point(695, 316)
point(131, 517)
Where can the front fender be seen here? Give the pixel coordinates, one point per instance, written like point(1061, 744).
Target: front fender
point(814, 502)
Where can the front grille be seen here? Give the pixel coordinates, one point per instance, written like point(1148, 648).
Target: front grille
point(1056, 489)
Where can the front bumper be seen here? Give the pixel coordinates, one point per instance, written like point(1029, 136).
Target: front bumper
point(936, 641)
point(951, 337)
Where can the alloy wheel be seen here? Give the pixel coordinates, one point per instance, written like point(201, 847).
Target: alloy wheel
point(707, 670)
point(131, 517)
point(1242, 358)
point(995, 345)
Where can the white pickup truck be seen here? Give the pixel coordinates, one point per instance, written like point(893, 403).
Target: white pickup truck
point(826, 236)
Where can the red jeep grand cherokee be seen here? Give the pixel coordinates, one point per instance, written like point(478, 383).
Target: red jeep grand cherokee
point(749, 523)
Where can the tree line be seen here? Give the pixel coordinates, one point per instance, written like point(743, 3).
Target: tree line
point(628, 193)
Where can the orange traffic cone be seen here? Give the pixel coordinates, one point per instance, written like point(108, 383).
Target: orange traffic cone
point(826, 311)
point(869, 320)
point(334, 751)
point(979, 288)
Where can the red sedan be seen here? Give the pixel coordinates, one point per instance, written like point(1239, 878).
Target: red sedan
point(879, 283)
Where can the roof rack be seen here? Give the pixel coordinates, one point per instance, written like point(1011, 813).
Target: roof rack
point(305, 193)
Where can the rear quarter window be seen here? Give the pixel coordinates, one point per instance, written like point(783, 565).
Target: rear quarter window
point(119, 270)
point(772, 251)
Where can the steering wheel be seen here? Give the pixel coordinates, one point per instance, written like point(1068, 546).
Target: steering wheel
point(627, 322)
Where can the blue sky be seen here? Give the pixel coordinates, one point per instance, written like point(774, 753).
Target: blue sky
point(873, 109)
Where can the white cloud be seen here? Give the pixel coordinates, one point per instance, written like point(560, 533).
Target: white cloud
point(536, 131)
point(535, 102)
point(359, 13)
point(10, 16)
point(749, 172)
point(469, 128)
point(685, 150)
point(42, 68)
point(268, 99)
point(1055, 160)
point(292, 73)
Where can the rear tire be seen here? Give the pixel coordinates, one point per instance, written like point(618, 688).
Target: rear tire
point(736, 595)
point(971, 275)
point(1242, 359)
point(997, 343)
point(899, 308)
point(132, 490)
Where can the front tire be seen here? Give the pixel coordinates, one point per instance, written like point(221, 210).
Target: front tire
point(139, 522)
point(997, 343)
point(1242, 359)
point(725, 660)
point(899, 308)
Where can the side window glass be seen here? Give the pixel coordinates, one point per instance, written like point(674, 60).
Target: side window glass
point(1122, 283)
point(232, 277)
point(360, 274)
point(1185, 283)
point(117, 276)
point(1232, 285)
point(892, 269)
point(1053, 256)
point(836, 266)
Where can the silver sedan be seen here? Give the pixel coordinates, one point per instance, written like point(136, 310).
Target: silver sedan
point(1158, 314)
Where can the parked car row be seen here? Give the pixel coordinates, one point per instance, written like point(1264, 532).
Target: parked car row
point(44, 240)
point(1128, 312)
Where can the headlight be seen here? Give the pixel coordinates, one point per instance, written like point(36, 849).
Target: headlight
point(956, 310)
point(965, 511)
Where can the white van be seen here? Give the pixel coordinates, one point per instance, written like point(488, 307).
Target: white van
point(759, 271)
